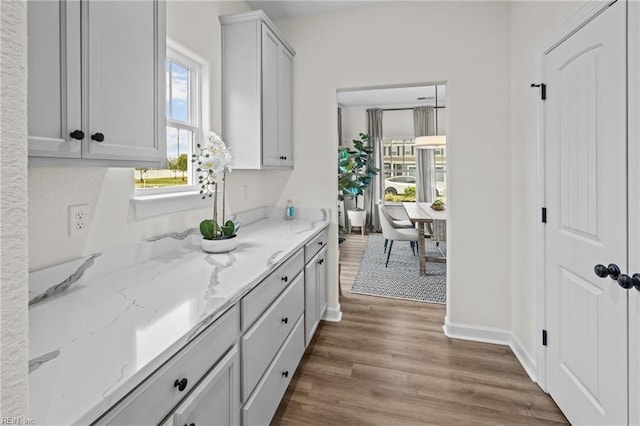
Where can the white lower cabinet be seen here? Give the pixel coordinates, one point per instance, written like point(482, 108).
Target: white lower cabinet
point(315, 283)
point(264, 401)
point(238, 369)
point(216, 400)
point(158, 395)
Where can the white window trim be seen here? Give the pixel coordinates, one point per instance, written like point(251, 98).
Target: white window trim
point(148, 202)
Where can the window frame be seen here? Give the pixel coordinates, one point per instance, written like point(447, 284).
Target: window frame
point(181, 56)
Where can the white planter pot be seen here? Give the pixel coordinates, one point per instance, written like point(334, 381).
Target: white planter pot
point(357, 218)
point(219, 246)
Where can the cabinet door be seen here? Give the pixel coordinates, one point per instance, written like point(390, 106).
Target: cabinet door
point(54, 100)
point(310, 299)
point(321, 282)
point(270, 48)
point(285, 75)
point(125, 55)
point(216, 400)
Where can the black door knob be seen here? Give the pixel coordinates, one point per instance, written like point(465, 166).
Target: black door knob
point(626, 282)
point(77, 134)
point(603, 271)
point(98, 137)
point(180, 384)
point(636, 280)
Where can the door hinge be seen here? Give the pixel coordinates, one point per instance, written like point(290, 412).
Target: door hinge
point(543, 89)
point(544, 215)
point(544, 337)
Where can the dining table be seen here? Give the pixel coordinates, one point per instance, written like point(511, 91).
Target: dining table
point(420, 214)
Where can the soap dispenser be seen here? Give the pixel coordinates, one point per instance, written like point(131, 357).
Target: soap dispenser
point(288, 215)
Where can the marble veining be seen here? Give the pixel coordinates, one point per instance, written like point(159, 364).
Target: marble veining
point(175, 235)
point(130, 310)
point(64, 285)
point(272, 259)
point(35, 363)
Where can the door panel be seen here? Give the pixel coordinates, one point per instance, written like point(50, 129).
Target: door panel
point(122, 80)
point(585, 188)
point(54, 78)
point(270, 153)
point(634, 207)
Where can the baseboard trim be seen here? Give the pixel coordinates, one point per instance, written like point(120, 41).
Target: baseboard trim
point(333, 314)
point(496, 336)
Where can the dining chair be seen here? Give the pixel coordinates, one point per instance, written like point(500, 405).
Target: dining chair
point(391, 233)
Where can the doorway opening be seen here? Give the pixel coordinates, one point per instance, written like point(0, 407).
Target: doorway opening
point(402, 208)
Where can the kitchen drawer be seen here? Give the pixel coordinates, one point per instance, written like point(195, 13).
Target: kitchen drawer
point(216, 399)
point(259, 299)
point(265, 400)
point(157, 395)
point(262, 342)
point(314, 246)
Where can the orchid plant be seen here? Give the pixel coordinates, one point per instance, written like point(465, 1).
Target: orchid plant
point(213, 159)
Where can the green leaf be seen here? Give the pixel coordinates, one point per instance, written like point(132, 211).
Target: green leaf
point(207, 229)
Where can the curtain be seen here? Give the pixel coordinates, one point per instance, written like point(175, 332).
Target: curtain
point(424, 125)
point(339, 126)
point(374, 192)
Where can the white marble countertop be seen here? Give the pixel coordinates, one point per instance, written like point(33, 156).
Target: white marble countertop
point(99, 325)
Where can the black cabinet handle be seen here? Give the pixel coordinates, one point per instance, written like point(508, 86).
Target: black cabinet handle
point(180, 384)
point(285, 279)
point(320, 243)
point(285, 373)
point(627, 282)
point(77, 134)
point(98, 137)
point(285, 320)
point(611, 271)
point(190, 424)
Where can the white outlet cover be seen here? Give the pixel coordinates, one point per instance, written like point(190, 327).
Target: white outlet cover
point(78, 214)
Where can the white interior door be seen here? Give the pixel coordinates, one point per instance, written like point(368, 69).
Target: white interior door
point(586, 200)
point(634, 207)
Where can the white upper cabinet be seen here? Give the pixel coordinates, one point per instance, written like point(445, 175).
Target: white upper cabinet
point(101, 96)
point(54, 97)
point(257, 71)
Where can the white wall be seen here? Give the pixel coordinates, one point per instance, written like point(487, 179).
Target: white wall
point(13, 211)
point(195, 25)
point(392, 44)
point(531, 21)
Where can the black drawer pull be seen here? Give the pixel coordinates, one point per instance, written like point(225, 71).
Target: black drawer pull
point(285, 373)
point(285, 320)
point(98, 137)
point(190, 424)
point(77, 134)
point(180, 384)
point(320, 243)
point(285, 279)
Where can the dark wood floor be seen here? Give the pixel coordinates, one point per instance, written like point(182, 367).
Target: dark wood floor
point(388, 363)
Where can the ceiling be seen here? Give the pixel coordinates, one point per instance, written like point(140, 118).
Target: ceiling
point(398, 97)
point(289, 8)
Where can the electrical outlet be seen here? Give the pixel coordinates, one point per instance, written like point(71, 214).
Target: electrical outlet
point(78, 219)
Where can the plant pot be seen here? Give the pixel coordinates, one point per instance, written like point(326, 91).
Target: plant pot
point(220, 246)
point(357, 218)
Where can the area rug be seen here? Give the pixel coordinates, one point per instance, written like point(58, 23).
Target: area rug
point(400, 280)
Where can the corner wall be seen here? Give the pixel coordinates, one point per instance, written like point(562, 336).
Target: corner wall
point(14, 387)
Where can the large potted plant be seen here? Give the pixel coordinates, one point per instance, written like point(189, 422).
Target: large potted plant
point(355, 172)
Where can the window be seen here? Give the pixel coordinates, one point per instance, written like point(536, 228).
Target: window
point(183, 126)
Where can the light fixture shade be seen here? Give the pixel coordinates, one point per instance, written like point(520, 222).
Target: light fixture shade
point(426, 142)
